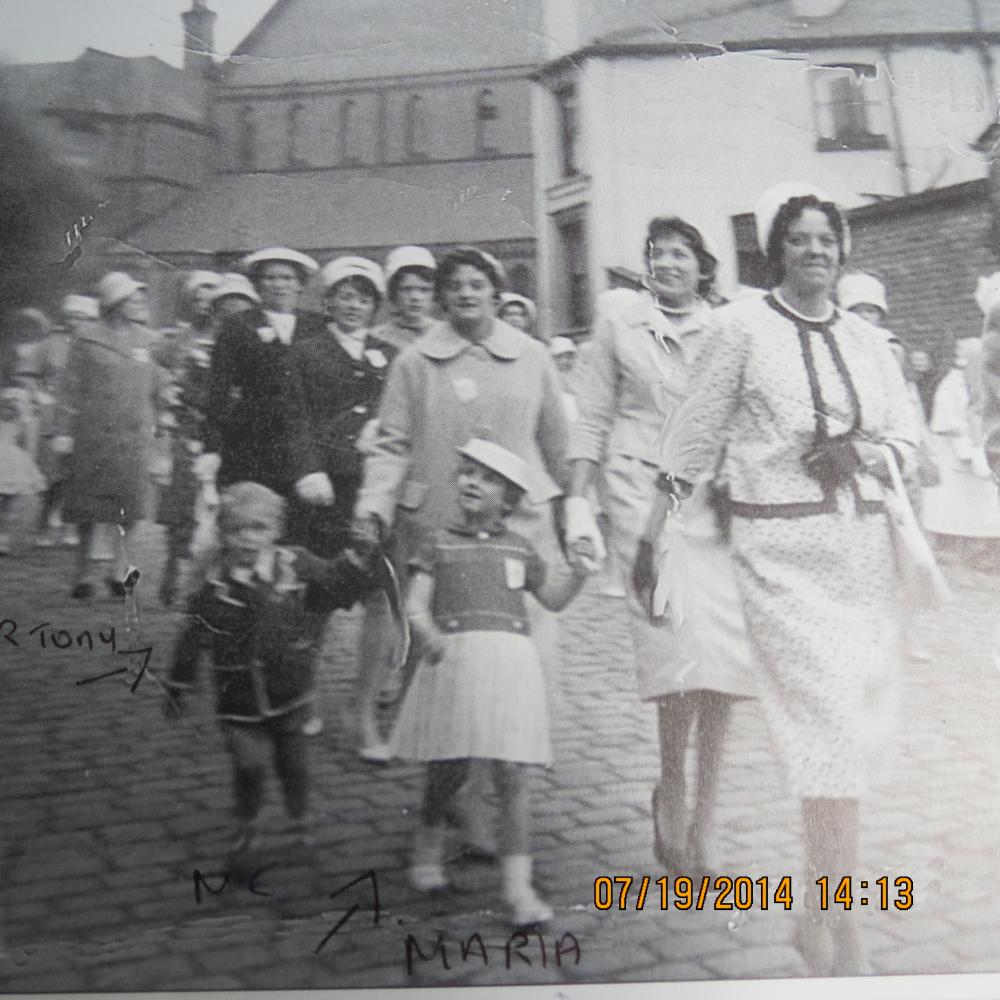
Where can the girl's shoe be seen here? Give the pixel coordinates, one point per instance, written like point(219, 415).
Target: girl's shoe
point(247, 841)
point(527, 909)
point(70, 536)
point(313, 726)
point(813, 942)
point(427, 860)
point(47, 538)
point(4, 545)
point(82, 591)
point(378, 753)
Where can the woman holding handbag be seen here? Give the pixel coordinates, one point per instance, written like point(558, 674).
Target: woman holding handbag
point(803, 402)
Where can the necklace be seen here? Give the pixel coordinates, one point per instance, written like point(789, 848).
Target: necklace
point(827, 313)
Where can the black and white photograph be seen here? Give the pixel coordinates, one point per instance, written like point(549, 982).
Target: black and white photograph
point(500, 493)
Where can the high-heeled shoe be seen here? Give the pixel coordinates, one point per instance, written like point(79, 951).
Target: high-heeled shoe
point(665, 850)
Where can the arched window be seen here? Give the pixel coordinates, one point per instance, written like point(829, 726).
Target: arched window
point(487, 124)
point(295, 135)
point(348, 132)
point(247, 138)
point(415, 138)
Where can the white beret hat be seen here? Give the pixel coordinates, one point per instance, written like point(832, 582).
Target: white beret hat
point(280, 255)
point(352, 267)
point(861, 290)
point(494, 456)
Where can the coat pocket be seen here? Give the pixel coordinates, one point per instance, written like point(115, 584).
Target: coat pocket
point(412, 495)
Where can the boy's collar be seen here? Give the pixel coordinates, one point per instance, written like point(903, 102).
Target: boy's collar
point(492, 529)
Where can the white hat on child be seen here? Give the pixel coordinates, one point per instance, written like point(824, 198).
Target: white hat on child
point(501, 460)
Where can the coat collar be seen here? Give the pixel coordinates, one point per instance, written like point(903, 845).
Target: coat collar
point(495, 529)
point(442, 343)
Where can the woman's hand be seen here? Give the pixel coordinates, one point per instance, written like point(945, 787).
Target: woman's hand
point(316, 489)
point(581, 526)
point(872, 459)
point(366, 534)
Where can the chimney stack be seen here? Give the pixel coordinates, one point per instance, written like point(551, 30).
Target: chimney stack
point(199, 39)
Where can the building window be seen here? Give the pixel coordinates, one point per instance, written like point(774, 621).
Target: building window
point(566, 104)
point(295, 135)
point(347, 136)
point(576, 286)
point(487, 123)
point(845, 97)
point(751, 264)
point(247, 138)
point(415, 137)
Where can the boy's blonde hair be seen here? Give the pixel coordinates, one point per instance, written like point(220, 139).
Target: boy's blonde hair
point(237, 501)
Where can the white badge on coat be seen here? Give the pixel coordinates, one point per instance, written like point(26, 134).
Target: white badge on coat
point(140, 355)
point(515, 572)
point(376, 358)
point(465, 388)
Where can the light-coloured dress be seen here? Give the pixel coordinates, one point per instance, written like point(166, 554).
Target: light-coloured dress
point(965, 502)
point(486, 698)
point(633, 375)
point(19, 475)
point(815, 565)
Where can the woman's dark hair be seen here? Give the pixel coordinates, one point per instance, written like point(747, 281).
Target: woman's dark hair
point(421, 272)
point(472, 257)
point(670, 225)
point(790, 212)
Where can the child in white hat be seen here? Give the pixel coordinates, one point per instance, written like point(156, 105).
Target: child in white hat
point(479, 690)
point(19, 475)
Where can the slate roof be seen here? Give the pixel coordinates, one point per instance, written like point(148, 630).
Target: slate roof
point(322, 211)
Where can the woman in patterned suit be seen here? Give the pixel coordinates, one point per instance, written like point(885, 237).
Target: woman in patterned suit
point(804, 399)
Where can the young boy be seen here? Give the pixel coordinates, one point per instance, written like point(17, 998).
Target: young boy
point(251, 614)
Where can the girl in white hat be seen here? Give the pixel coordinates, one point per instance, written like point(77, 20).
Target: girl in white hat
point(409, 278)
point(479, 692)
point(520, 312)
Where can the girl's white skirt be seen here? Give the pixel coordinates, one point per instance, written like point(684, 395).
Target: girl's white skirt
point(486, 698)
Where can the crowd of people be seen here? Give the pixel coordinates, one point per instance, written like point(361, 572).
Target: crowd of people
point(421, 449)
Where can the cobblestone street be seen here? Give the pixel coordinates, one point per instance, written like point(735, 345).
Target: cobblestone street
point(108, 811)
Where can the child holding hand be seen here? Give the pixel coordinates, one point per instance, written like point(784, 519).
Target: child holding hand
point(251, 614)
point(479, 691)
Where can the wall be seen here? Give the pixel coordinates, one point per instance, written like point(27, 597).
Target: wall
point(703, 138)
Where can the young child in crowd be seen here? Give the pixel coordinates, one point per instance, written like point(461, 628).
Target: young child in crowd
point(251, 615)
point(19, 474)
point(479, 690)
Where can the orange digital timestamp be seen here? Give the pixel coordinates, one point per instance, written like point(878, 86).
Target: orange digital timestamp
point(743, 892)
point(682, 892)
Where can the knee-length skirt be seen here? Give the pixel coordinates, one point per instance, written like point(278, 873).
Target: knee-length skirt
point(823, 612)
point(708, 648)
point(486, 698)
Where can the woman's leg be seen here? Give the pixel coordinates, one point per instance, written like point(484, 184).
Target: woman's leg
point(377, 640)
point(713, 721)
point(83, 559)
point(675, 713)
point(829, 939)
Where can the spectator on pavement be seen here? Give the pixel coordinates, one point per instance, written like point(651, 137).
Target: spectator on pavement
point(519, 312)
point(20, 478)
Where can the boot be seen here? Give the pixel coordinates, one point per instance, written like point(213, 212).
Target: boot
point(426, 862)
point(668, 828)
point(525, 906)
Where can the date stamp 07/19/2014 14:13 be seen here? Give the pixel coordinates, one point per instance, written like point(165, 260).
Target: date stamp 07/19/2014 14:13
point(723, 892)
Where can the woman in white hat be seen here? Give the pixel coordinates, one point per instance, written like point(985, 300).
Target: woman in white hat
point(802, 407)
point(962, 511)
point(255, 425)
point(409, 280)
point(520, 312)
point(211, 299)
point(109, 399)
point(342, 369)
point(635, 373)
point(77, 314)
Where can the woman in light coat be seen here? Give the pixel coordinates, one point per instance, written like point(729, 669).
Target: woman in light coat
point(109, 397)
point(633, 375)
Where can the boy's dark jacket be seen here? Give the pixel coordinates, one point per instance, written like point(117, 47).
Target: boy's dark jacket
point(260, 634)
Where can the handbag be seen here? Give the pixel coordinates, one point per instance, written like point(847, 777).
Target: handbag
point(923, 582)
